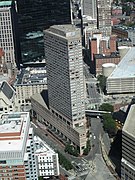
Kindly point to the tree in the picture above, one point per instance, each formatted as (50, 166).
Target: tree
(102, 82)
(109, 124)
(64, 162)
(106, 107)
(40, 178)
(87, 149)
(71, 150)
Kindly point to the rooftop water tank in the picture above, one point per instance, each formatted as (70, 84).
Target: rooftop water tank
(123, 50)
(108, 68)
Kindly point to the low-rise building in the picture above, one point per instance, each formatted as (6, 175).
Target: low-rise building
(48, 164)
(29, 81)
(100, 59)
(122, 78)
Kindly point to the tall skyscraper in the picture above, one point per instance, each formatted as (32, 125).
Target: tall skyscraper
(38, 15)
(90, 8)
(17, 158)
(35, 16)
(9, 40)
(128, 147)
(63, 53)
(104, 16)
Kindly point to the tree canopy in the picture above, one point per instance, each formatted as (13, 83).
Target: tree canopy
(106, 107)
(64, 162)
(71, 150)
(109, 124)
(102, 83)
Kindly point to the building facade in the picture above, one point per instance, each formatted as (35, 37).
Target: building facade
(3, 66)
(9, 40)
(50, 12)
(65, 72)
(128, 147)
(57, 124)
(63, 52)
(90, 8)
(35, 16)
(29, 82)
(17, 158)
(104, 16)
(122, 79)
(48, 163)
(100, 59)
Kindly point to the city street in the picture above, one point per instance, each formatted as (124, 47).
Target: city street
(100, 171)
(88, 166)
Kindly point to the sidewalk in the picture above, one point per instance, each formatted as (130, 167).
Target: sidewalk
(108, 162)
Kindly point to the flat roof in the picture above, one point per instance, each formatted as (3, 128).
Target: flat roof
(126, 67)
(32, 75)
(42, 147)
(66, 30)
(13, 123)
(5, 3)
(10, 124)
(103, 56)
(129, 126)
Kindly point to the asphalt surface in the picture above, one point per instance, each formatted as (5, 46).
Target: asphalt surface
(100, 171)
(96, 129)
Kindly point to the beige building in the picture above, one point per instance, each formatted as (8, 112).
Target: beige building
(65, 112)
(57, 124)
(29, 82)
(128, 147)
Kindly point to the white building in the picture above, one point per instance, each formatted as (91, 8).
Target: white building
(17, 158)
(7, 98)
(48, 164)
(29, 82)
(7, 10)
(128, 147)
(122, 79)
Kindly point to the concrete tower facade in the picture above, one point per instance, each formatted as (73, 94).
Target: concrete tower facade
(63, 52)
